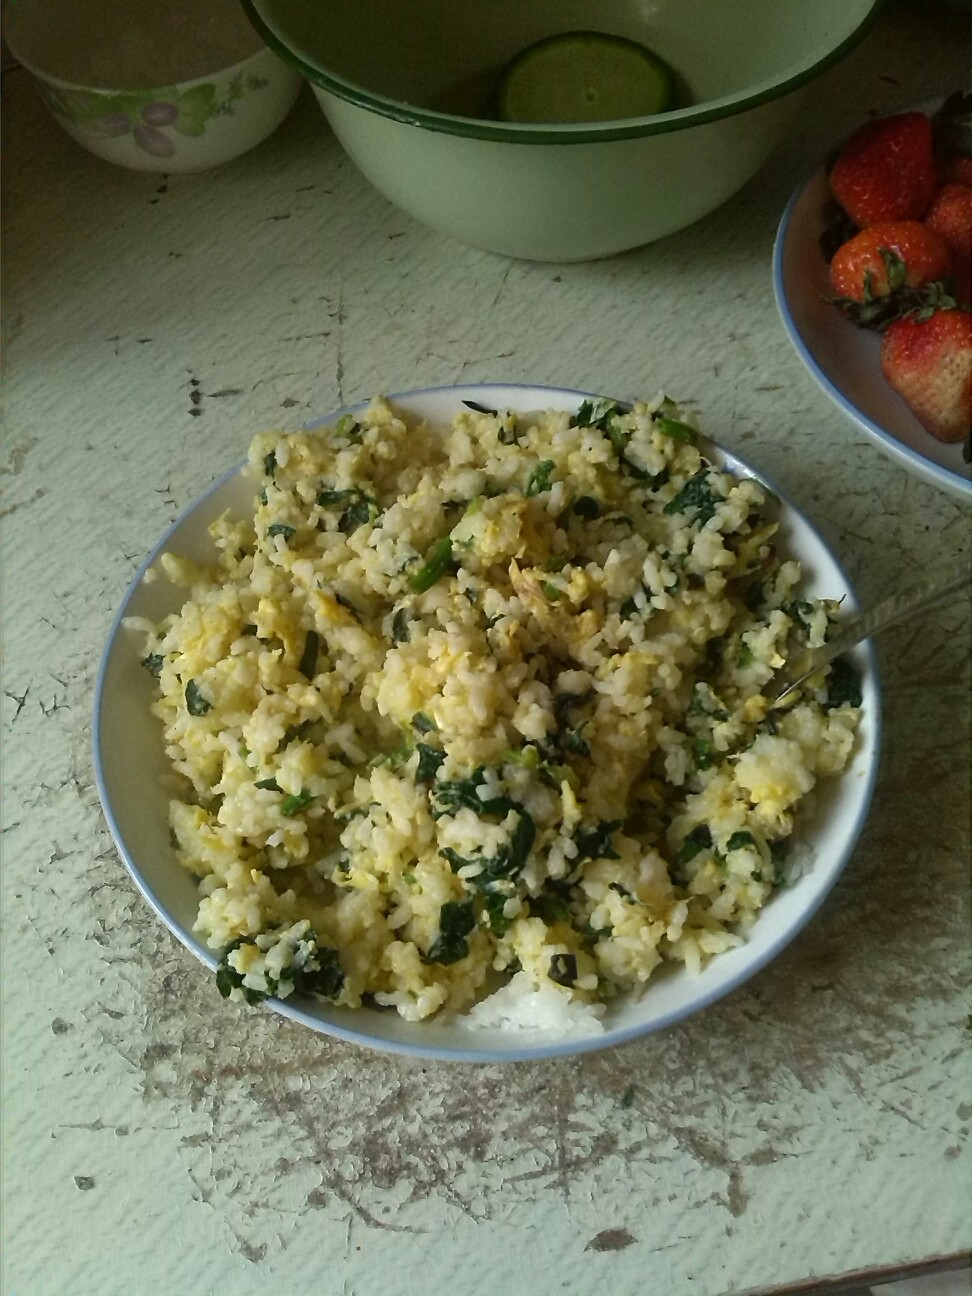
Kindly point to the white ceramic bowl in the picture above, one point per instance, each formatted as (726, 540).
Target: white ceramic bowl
(158, 85)
(403, 86)
(134, 782)
(843, 359)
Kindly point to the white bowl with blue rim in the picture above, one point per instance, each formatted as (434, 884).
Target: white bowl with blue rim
(844, 360)
(135, 784)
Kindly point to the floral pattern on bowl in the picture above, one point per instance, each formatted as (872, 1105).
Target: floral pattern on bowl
(152, 117)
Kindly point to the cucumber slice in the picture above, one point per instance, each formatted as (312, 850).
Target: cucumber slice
(584, 76)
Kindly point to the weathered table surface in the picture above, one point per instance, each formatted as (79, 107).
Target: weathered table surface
(813, 1124)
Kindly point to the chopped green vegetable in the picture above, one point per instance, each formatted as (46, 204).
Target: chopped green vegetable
(428, 765)
(361, 508)
(270, 464)
(326, 497)
(595, 843)
(392, 759)
(153, 664)
(595, 413)
(316, 970)
(521, 842)
(269, 785)
(436, 561)
(346, 426)
(617, 436)
(553, 592)
(308, 658)
(738, 840)
(493, 906)
(586, 507)
(575, 742)
(346, 603)
(325, 980)
(745, 656)
(422, 724)
(400, 631)
(457, 861)
(697, 840)
(480, 409)
(779, 850)
(567, 739)
(301, 730)
(280, 529)
(697, 705)
(800, 610)
(227, 980)
(619, 440)
(457, 794)
(696, 496)
(550, 908)
(539, 479)
(529, 757)
(703, 753)
(291, 804)
(495, 870)
(844, 684)
(355, 515)
(673, 428)
(456, 920)
(196, 704)
(563, 969)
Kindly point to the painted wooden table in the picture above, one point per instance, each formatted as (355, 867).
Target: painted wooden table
(814, 1125)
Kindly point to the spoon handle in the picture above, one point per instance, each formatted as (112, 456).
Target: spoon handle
(905, 603)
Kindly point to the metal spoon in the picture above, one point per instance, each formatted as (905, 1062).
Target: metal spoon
(905, 603)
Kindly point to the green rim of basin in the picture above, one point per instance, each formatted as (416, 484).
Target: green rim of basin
(551, 133)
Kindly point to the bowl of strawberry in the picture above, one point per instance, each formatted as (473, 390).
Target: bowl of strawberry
(872, 268)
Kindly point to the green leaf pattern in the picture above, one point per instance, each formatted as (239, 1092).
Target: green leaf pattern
(153, 117)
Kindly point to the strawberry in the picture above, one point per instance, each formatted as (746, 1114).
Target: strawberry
(957, 169)
(950, 217)
(928, 362)
(886, 170)
(875, 274)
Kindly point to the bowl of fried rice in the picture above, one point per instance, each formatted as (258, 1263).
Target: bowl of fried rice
(443, 726)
